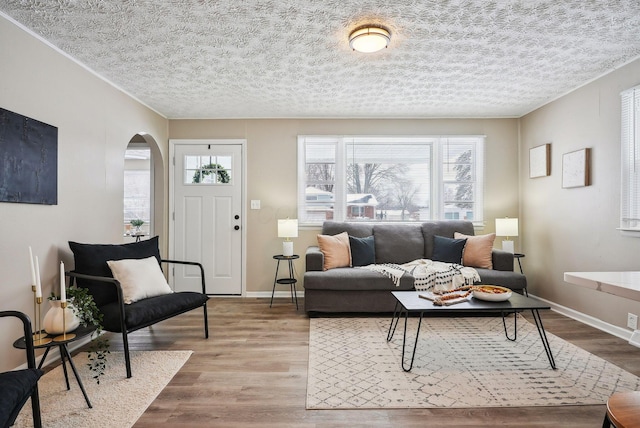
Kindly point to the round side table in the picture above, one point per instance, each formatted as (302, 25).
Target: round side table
(290, 280)
(79, 333)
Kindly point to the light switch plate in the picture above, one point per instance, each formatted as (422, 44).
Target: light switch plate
(255, 204)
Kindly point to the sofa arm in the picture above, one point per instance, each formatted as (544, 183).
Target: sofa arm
(314, 259)
(502, 260)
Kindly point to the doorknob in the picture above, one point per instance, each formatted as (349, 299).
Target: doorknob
(237, 217)
(236, 227)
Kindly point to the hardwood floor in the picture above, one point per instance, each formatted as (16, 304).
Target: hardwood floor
(252, 370)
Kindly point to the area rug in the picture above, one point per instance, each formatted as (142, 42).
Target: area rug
(459, 363)
(117, 401)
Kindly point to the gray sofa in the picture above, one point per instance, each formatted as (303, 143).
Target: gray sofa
(360, 290)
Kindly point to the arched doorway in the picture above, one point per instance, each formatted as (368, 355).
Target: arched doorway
(143, 196)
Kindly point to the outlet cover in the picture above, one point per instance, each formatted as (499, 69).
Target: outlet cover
(255, 204)
(632, 321)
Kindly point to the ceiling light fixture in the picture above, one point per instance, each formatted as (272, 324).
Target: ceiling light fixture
(369, 39)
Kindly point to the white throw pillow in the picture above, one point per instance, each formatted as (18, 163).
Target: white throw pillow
(139, 278)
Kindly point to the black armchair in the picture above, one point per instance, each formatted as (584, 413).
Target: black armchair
(18, 385)
(93, 273)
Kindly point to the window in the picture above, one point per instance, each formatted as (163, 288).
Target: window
(630, 151)
(207, 169)
(389, 178)
(137, 185)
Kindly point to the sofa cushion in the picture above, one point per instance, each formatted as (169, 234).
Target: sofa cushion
(448, 250)
(363, 251)
(139, 278)
(91, 259)
(444, 228)
(360, 229)
(509, 279)
(355, 279)
(16, 387)
(149, 311)
(398, 243)
(336, 250)
(478, 250)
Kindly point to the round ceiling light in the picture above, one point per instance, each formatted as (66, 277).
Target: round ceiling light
(369, 39)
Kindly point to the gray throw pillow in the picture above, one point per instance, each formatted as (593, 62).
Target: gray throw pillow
(448, 250)
(363, 251)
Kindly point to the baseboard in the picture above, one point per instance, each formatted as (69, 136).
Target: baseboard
(267, 294)
(620, 332)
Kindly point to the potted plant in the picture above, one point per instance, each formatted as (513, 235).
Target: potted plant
(137, 223)
(84, 307)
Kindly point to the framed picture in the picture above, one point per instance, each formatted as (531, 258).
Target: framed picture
(575, 169)
(29, 159)
(539, 161)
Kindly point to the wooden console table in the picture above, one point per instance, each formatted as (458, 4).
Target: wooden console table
(623, 284)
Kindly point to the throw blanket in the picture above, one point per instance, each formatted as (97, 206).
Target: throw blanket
(429, 274)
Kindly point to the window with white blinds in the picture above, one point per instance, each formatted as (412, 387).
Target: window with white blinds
(390, 178)
(630, 138)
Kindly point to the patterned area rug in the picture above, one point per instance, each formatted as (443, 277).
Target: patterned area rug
(460, 362)
(117, 401)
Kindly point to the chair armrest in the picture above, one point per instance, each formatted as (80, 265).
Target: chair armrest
(204, 288)
(28, 335)
(73, 275)
(502, 260)
(314, 259)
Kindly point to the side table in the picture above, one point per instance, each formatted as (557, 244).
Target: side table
(80, 333)
(519, 256)
(291, 280)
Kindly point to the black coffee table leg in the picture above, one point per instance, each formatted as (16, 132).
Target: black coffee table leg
(394, 322)
(543, 337)
(404, 340)
(515, 325)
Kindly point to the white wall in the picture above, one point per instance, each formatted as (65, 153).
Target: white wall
(575, 229)
(95, 123)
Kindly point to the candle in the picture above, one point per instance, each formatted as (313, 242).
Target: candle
(33, 270)
(63, 290)
(38, 285)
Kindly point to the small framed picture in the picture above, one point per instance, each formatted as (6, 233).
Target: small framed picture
(539, 161)
(575, 169)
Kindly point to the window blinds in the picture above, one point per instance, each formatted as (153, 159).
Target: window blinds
(630, 162)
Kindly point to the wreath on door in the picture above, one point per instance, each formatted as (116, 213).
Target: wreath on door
(223, 175)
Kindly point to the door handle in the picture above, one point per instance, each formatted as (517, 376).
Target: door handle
(236, 227)
(237, 217)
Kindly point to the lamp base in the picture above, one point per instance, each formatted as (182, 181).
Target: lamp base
(507, 246)
(287, 248)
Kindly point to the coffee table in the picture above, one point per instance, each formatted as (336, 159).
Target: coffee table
(409, 302)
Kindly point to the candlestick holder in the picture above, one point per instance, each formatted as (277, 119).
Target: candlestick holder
(39, 337)
(64, 336)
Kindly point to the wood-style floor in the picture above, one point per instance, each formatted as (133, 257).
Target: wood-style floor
(252, 372)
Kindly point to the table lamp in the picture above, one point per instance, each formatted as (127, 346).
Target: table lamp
(287, 228)
(507, 227)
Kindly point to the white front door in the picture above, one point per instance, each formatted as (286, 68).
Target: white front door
(207, 214)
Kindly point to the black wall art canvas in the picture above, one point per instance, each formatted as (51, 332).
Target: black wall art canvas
(28, 160)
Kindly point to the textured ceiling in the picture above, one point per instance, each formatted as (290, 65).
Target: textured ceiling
(291, 58)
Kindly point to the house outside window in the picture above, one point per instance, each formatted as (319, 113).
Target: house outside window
(400, 179)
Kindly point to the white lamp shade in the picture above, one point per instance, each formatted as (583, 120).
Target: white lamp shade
(288, 228)
(507, 227)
